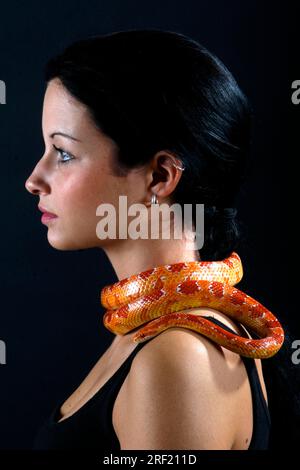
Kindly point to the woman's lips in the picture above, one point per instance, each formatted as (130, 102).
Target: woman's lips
(46, 215)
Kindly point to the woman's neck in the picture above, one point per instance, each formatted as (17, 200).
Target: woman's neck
(135, 256)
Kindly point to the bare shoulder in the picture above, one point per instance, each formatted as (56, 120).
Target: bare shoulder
(185, 350)
(183, 354)
(182, 392)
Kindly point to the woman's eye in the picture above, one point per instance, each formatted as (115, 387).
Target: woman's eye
(63, 154)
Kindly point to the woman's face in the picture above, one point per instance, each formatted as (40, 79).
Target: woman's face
(73, 189)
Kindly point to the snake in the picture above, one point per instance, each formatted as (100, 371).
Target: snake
(156, 299)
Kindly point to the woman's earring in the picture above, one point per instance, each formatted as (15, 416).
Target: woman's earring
(182, 168)
(154, 199)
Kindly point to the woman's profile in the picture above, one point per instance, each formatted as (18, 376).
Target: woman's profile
(154, 116)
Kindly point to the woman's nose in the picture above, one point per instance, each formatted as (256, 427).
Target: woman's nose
(36, 184)
(31, 186)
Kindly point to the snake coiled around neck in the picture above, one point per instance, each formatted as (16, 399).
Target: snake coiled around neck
(154, 299)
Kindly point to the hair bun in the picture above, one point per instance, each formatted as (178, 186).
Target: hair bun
(221, 232)
(225, 213)
(215, 213)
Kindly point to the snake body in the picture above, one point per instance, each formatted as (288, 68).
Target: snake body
(156, 297)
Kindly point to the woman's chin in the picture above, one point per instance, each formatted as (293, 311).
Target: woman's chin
(62, 243)
(65, 243)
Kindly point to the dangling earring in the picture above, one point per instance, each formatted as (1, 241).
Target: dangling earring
(154, 199)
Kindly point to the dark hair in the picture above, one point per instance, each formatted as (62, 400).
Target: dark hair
(152, 90)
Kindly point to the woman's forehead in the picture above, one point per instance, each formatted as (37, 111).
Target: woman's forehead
(62, 113)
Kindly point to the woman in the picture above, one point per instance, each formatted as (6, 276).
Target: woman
(154, 116)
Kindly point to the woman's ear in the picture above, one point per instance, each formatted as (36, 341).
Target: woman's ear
(165, 171)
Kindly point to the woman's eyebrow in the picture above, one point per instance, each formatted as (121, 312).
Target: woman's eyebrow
(64, 135)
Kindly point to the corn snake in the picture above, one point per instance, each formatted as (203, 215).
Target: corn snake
(156, 296)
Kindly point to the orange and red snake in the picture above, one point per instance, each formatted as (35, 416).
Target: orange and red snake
(157, 296)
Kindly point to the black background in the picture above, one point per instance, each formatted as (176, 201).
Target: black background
(51, 317)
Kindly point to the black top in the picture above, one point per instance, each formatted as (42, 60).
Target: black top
(91, 426)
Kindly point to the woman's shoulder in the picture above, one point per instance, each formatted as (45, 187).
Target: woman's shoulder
(177, 341)
(182, 377)
(186, 344)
